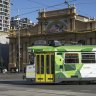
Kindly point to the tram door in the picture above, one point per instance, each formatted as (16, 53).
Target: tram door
(45, 67)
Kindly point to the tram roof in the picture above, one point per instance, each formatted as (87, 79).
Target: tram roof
(83, 48)
(41, 48)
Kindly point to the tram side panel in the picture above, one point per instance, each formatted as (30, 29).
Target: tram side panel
(30, 72)
(88, 70)
(30, 68)
(74, 66)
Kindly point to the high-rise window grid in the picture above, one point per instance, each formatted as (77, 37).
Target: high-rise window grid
(4, 15)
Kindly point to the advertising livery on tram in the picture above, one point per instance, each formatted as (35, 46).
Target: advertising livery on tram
(54, 64)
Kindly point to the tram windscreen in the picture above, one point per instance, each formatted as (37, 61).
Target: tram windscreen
(42, 64)
(31, 58)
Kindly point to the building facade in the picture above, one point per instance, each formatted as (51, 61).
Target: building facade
(4, 15)
(64, 25)
(23, 23)
(4, 29)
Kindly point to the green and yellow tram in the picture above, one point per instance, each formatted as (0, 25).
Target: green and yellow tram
(50, 64)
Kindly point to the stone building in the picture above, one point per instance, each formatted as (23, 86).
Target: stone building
(64, 25)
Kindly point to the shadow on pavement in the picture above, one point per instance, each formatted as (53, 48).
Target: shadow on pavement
(24, 82)
(86, 88)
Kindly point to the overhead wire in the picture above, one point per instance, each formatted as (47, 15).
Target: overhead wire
(87, 3)
(48, 7)
(54, 5)
(42, 4)
(28, 12)
(38, 9)
(37, 3)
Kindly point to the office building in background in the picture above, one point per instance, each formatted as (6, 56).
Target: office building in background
(4, 15)
(4, 30)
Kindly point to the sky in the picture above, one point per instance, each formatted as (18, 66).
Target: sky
(30, 8)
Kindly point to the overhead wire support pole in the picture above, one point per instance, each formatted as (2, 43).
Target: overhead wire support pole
(18, 42)
(67, 3)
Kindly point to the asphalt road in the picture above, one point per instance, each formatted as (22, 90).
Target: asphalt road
(23, 88)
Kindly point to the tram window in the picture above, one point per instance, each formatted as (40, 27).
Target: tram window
(52, 64)
(88, 57)
(71, 58)
(59, 53)
(38, 64)
(47, 64)
(42, 64)
(31, 58)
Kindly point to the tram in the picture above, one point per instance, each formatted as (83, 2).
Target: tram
(54, 64)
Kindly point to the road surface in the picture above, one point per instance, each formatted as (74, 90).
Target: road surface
(22, 88)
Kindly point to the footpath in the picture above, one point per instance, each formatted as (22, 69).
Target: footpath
(11, 76)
